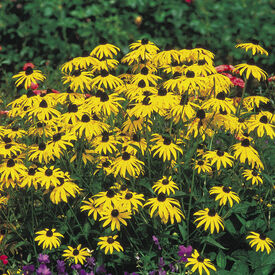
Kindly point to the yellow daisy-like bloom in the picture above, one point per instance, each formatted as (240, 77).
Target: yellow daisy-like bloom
(106, 81)
(135, 141)
(110, 243)
(218, 82)
(253, 70)
(165, 148)
(210, 218)
(114, 215)
(131, 200)
(40, 152)
(77, 63)
(48, 238)
(166, 57)
(163, 206)
(251, 102)
(42, 128)
(252, 175)
(199, 263)
(224, 194)
(244, 151)
(165, 185)
(49, 177)
(148, 78)
(12, 170)
(105, 143)
(220, 158)
(262, 122)
(144, 45)
(105, 50)
(79, 79)
(76, 254)
(135, 124)
(90, 206)
(126, 165)
(261, 241)
(107, 198)
(29, 76)
(107, 64)
(251, 46)
(203, 165)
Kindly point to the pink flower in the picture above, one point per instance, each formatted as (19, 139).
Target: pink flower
(34, 86)
(4, 258)
(28, 65)
(223, 68)
(188, 1)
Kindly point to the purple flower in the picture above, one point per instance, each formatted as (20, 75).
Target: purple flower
(156, 241)
(90, 262)
(101, 269)
(60, 266)
(28, 269)
(76, 266)
(43, 258)
(185, 252)
(43, 270)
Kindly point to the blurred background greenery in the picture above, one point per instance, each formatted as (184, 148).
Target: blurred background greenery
(51, 32)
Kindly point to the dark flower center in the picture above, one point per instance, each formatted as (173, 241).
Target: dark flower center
(30, 93)
(200, 259)
(202, 62)
(212, 212)
(136, 138)
(104, 73)
(104, 97)
(123, 187)
(110, 193)
(146, 101)
(29, 71)
(85, 118)
(161, 197)
(226, 189)
(254, 173)
(162, 92)
(106, 164)
(115, 213)
(241, 120)
(95, 117)
(72, 108)
(220, 153)
(31, 171)
(141, 84)
(49, 233)
(57, 137)
(263, 119)
(10, 163)
(6, 139)
(43, 104)
(200, 162)
(250, 62)
(110, 240)
(262, 236)
(167, 141)
(61, 180)
(8, 146)
(146, 93)
(221, 96)
(42, 146)
(126, 156)
(245, 142)
(40, 124)
(223, 112)
(144, 71)
(15, 128)
(176, 74)
(165, 182)
(190, 74)
(77, 73)
(75, 252)
(128, 196)
(105, 137)
(144, 41)
(48, 172)
(98, 93)
(201, 114)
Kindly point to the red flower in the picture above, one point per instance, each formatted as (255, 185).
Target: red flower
(223, 68)
(4, 258)
(28, 65)
(235, 80)
(34, 86)
(188, 1)
(272, 78)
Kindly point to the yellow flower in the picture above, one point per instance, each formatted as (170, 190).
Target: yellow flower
(220, 158)
(49, 238)
(105, 50)
(252, 175)
(251, 46)
(253, 70)
(110, 243)
(224, 194)
(76, 254)
(165, 185)
(261, 241)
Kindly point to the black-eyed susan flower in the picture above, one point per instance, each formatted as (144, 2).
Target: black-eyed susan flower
(219, 158)
(203, 165)
(28, 76)
(255, 48)
(261, 241)
(15, 132)
(166, 57)
(165, 148)
(135, 124)
(29, 178)
(163, 100)
(199, 263)
(135, 142)
(106, 80)
(105, 143)
(245, 152)
(145, 75)
(127, 165)
(165, 185)
(144, 47)
(49, 238)
(42, 128)
(218, 82)
(253, 175)
(143, 109)
(251, 69)
(163, 206)
(224, 194)
(105, 50)
(10, 148)
(40, 152)
(131, 200)
(251, 102)
(76, 254)
(72, 115)
(209, 218)
(11, 169)
(114, 215)
(89, 206)
(79, 80)
(49, 177)
(262, 124)
(104, 163)
(110, 244)
(107, 198)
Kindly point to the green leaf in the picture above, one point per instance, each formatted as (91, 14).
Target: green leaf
(183, 230)
(240, 268)
(221, 259)
(212, 241)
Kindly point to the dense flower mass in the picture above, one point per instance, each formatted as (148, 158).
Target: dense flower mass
(132, 164)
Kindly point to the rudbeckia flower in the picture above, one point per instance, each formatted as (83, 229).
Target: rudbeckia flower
(165, 185)
(219, 158)
(251, 46)
(49, 238)
(261, 241)
(253, 175)
(89, 206)
(251, 69)
(76, 254)
(110, 244)
(224, 194)
(105, 50)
